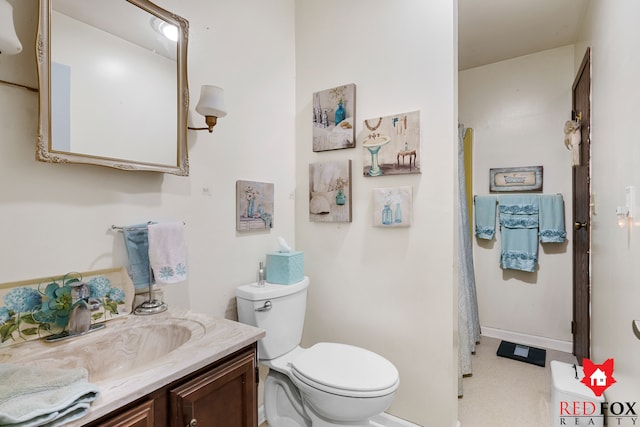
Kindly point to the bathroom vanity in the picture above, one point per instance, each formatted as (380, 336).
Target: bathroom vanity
(223, 393)
(176, 368)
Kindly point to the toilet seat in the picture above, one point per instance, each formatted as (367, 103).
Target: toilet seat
(345, 370)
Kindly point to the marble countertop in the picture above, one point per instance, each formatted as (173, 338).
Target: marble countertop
(209, 340)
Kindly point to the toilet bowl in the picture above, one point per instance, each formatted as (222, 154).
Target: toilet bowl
(344, 383)
(327, 384)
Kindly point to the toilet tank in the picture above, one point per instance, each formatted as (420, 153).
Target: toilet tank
(567, 388)
(279, 310)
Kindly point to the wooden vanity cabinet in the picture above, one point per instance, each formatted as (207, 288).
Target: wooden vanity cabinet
(140, 415)
(223, 396)
(224, 393)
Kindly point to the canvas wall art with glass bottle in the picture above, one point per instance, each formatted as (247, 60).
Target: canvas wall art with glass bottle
(333, 113)
(392, 207)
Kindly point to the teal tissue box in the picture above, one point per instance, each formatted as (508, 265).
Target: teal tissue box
(285, 268)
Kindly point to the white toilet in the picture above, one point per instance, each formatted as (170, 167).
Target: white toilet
(327, 384)
(567, 389)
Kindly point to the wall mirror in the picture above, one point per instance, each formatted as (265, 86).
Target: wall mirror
(113, 87)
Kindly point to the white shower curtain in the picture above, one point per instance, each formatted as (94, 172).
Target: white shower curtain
(468, 320)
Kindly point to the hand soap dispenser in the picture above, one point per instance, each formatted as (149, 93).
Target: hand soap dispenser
(261, 275)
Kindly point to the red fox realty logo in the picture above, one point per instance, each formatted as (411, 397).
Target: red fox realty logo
(597, 377)
(591, 413)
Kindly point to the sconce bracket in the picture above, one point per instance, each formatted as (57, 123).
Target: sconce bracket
(210, 121)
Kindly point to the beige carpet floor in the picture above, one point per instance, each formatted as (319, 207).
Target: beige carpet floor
(503, 392)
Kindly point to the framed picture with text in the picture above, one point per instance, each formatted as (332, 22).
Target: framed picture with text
(519, 179)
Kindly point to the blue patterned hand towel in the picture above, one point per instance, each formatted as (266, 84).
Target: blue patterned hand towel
(485, 216)
(136, 240)
(519, 211)
(552, 228)
(519, 249)
(519, 231)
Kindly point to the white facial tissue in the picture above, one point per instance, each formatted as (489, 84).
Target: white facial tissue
(284, 247)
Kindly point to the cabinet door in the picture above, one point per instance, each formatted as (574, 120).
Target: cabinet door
(138, 416)
(225, 396)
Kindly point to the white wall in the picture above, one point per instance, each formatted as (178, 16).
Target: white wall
(517, 109)
(389, 290)
(54, 218)
(612, 32)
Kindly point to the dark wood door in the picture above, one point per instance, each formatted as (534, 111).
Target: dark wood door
(581, 325)
(226, 396)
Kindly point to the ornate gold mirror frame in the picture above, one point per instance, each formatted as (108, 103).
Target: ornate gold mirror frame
(45, 150)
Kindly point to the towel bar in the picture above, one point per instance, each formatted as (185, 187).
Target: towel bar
(121, 228)
(498, 201)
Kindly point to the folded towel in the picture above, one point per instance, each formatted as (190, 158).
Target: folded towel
(31, 396)
(168, 252)
(552, 228)
(519, 220)
(136, 240)
(485, 217)
(519, 232)
(519, 205)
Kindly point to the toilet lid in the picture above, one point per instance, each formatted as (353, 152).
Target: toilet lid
(345, 367)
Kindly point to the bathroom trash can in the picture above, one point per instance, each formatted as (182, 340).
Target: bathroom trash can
(572, 402)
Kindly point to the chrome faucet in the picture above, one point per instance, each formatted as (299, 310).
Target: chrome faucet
(81, 308)
(80, 317)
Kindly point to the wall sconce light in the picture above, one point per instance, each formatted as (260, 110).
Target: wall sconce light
(625, 213)
(622, 212)
(9, 42)
(211, 106)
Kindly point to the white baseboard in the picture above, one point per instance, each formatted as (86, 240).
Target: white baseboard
(388, 420)
(532, 340)
(382, 420)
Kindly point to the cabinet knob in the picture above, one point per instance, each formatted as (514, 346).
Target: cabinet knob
(193, 423)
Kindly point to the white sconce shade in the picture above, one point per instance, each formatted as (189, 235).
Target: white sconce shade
(211, 101)
(622, 213)
(626, 213)
(9, 42)
(211, 106)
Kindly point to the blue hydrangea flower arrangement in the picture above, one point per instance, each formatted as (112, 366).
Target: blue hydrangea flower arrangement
(44, 309)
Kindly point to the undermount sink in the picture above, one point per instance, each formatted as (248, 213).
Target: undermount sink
(123, 347)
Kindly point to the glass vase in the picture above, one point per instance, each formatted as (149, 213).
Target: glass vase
(250, 208)
(340, 113)
(397, 218)
(387, 215)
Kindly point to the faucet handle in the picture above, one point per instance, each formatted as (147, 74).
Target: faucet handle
(79, 290)
(80, 319)
(94, 304)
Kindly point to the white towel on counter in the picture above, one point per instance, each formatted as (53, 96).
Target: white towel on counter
(31, 396)
(168, 252)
